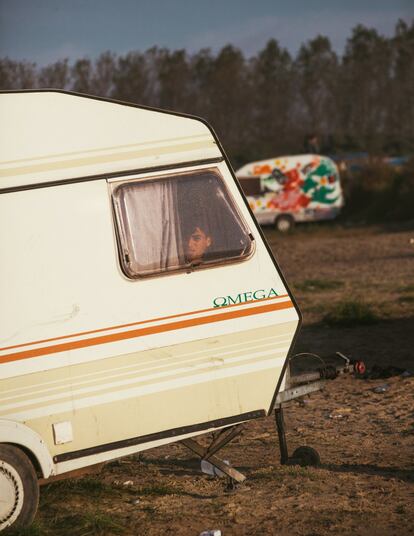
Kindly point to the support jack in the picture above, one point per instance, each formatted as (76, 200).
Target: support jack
(209, 453)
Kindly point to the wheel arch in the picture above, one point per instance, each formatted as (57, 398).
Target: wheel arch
(20, 435)
(289, 215)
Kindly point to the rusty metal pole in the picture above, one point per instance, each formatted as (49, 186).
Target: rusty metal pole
(280, 425)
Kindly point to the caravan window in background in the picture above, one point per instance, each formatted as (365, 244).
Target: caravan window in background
(178, 222)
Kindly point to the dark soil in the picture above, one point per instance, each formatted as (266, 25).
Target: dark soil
(365, 484)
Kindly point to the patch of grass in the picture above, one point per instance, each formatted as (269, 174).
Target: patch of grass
(92, 487)
(33, 530)
(400, 509)
(316, 285)
(350, 314)
(406, 299)
(158, 490)
(318, 308)
(150, 510)
(406, 288)
(286, 472)
(90, 524)
(263, 477)
(302, 472)
(175, 462)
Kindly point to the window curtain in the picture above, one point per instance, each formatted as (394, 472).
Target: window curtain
(152, 230)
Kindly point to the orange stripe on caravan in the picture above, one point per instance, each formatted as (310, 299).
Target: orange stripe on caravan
(172, 326)
(134, 324)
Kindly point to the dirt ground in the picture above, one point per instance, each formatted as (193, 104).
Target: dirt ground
(365, 483)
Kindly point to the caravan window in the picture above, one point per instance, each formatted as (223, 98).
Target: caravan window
(178, 222)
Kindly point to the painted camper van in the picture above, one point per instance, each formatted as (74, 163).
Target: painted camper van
(289, 189)
(140, 304)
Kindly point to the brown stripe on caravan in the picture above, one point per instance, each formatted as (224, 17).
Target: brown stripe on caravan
(120, 326)
(140, 332)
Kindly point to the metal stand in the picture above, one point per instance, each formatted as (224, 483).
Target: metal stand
(295, 387)
(208, 453)
(280, 425)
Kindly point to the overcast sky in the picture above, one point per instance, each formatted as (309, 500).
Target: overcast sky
(44, 31)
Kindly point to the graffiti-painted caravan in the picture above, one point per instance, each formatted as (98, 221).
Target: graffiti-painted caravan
(285, 190)
(139, 303)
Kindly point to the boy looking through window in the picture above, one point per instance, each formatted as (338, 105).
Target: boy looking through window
(198, 244)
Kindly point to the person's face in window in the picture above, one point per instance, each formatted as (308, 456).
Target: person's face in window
(197, 245)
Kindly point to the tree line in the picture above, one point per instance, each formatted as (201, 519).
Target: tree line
(265, 105)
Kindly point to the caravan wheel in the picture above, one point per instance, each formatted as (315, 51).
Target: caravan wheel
(19, 489)
(284, 223)
(305, 456)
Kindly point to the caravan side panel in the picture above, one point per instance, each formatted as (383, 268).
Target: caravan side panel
(90, 359)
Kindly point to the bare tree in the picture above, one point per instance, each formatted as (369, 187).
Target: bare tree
(273, 98)
(55, 75)
(366, 79)
(17, 74)
(130, 78)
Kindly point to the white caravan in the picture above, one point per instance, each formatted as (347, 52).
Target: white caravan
(139, 302)
(289, 189)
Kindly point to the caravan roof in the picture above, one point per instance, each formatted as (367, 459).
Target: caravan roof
(50, 136)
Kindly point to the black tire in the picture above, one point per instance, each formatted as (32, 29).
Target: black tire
(305, 456)
(19, 488)
(284, 223)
